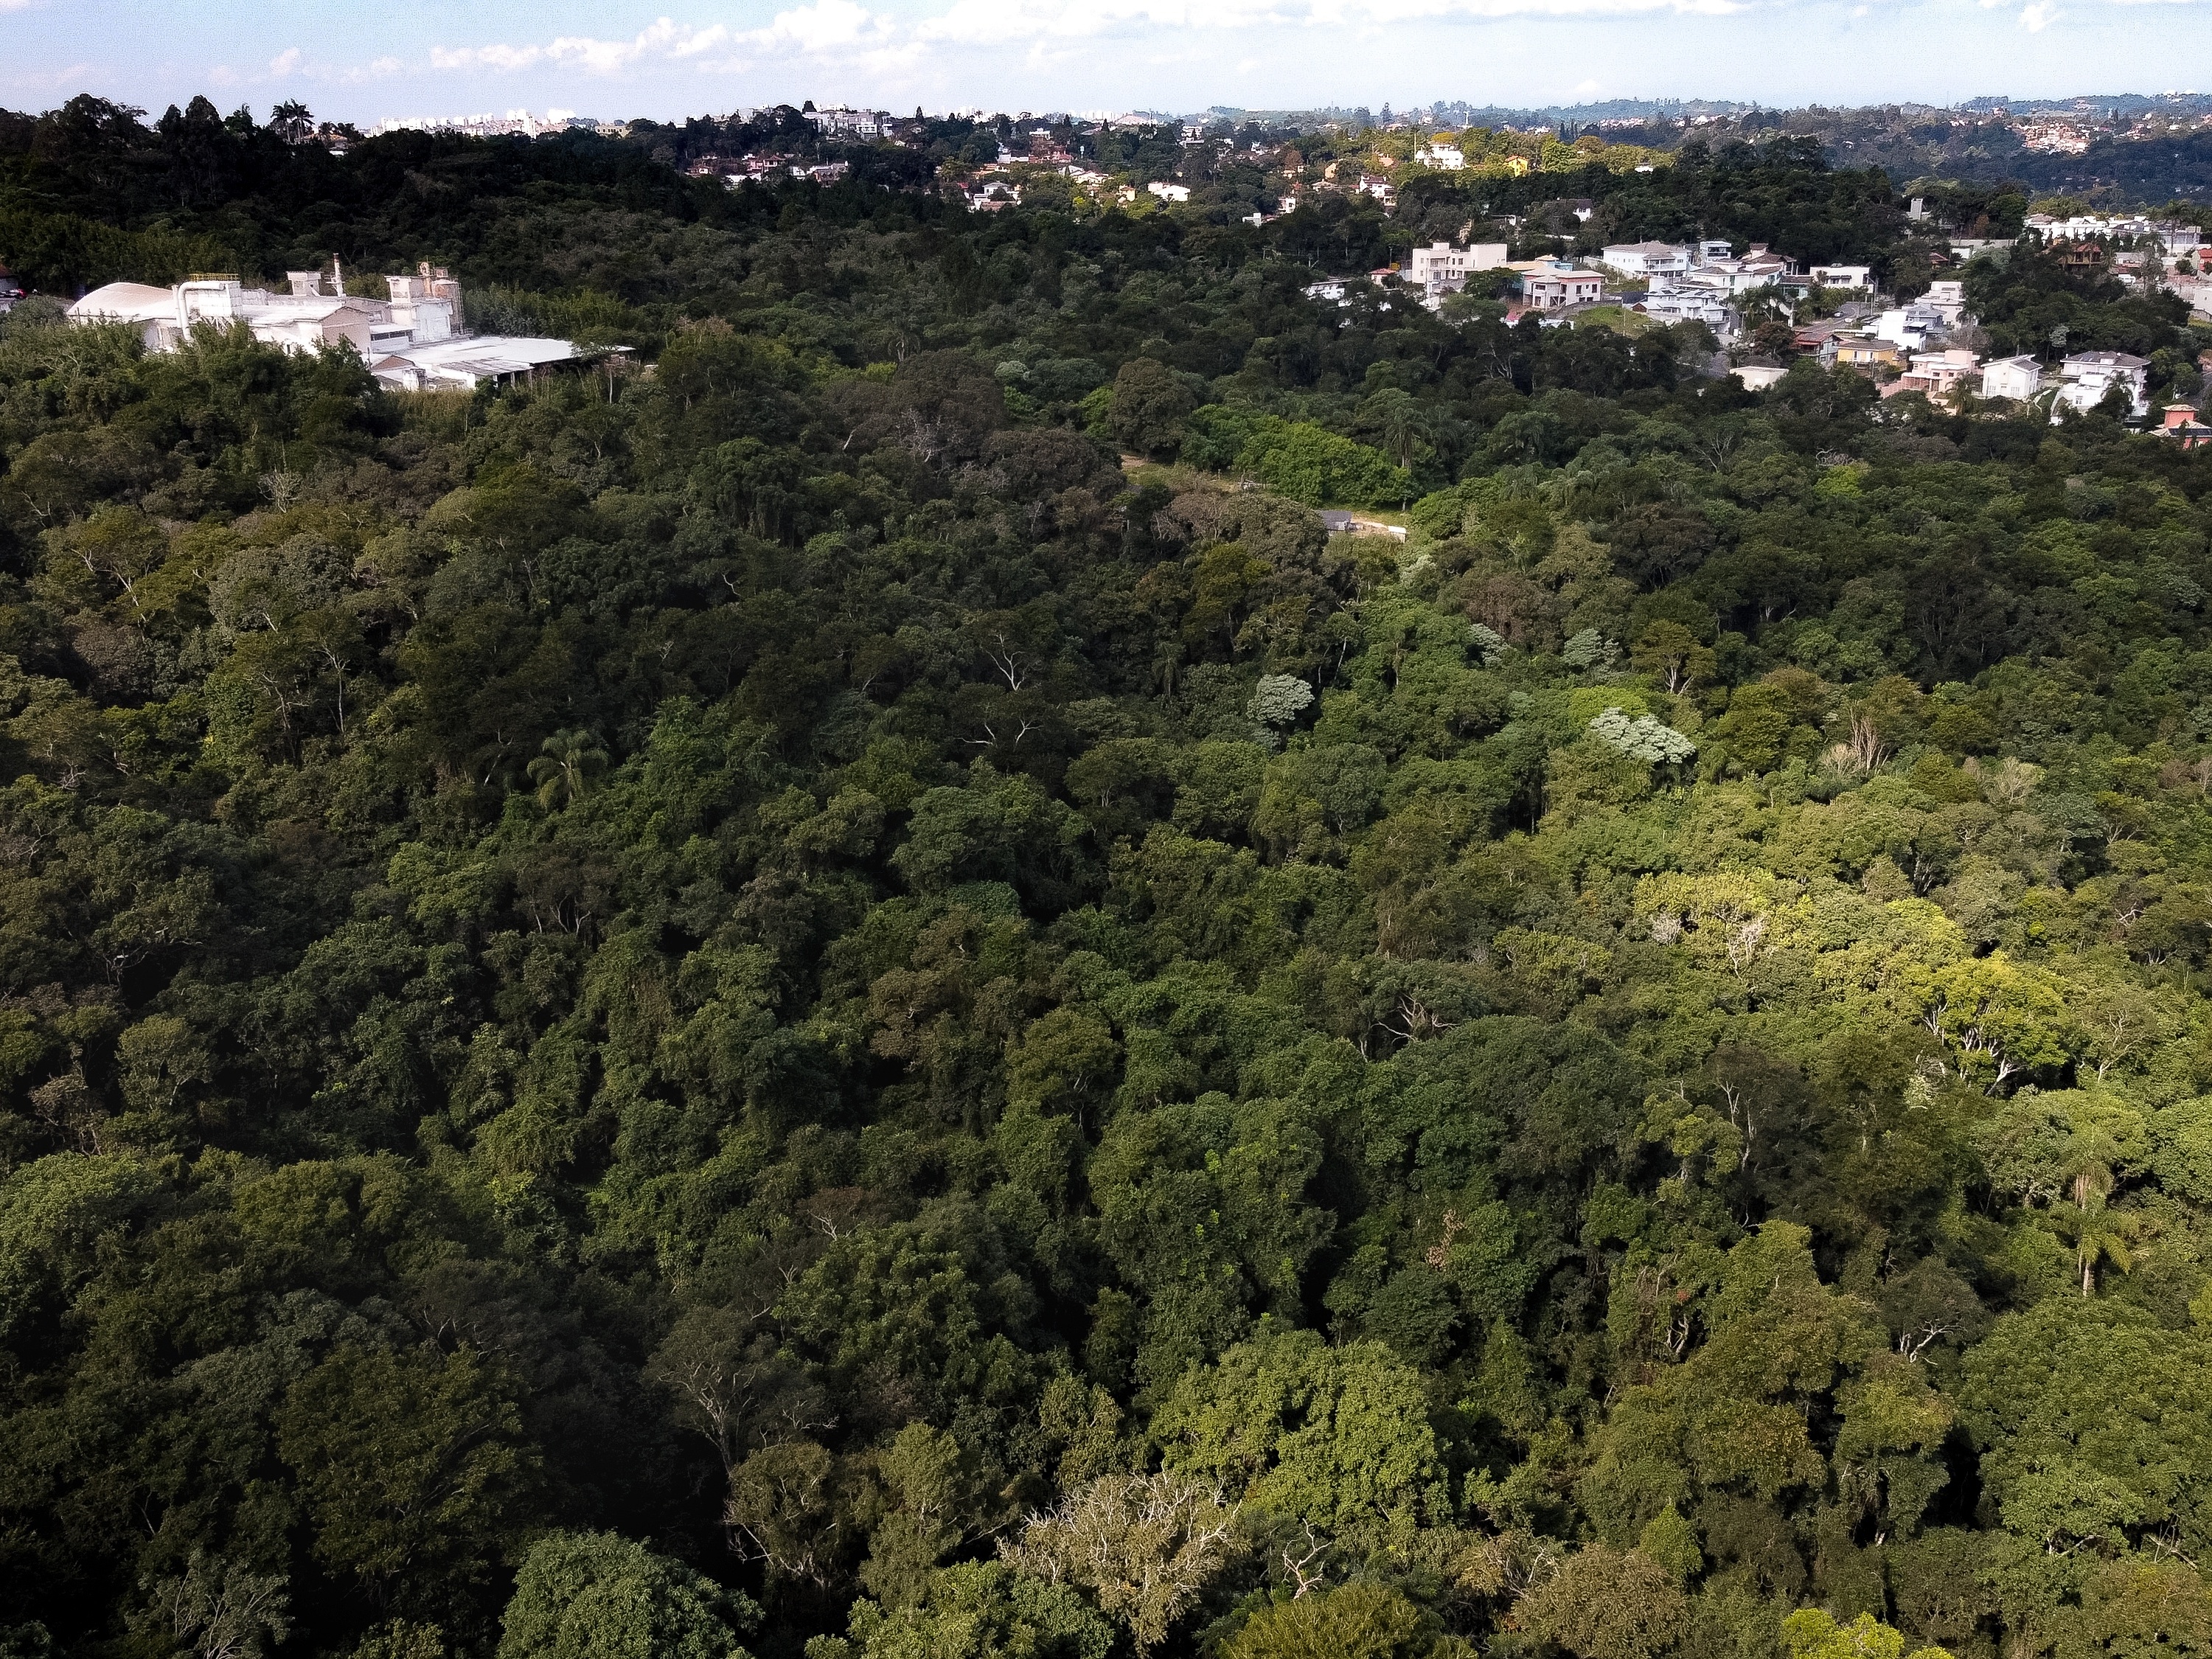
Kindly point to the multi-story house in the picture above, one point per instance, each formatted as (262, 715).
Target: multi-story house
(1442, 268)
(2017, 377)
(2088, 377)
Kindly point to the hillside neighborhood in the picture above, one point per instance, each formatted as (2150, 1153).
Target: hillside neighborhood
(1763, 305)
(1461, 217)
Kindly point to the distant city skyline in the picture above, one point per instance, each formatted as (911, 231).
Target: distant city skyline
(614, 61)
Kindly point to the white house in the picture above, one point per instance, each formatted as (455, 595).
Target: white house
(1647, 259)
(1444, 158)
(1935, 373)
(1842, 276)
(1550, 285)
(411, 341)
(843, 123)
(1756, 377)
(1735, 274)
(1440, 268)
(2085, 378)
(1909, 325)
(2017, 377)
(1947, 299)
(1692, 302)
(1168, 193)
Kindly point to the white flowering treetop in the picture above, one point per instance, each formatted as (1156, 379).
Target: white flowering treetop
(1642, 739)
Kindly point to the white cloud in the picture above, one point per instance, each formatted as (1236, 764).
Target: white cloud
(2034, 17)
(991, 22)
(286, 61)
(822, 26)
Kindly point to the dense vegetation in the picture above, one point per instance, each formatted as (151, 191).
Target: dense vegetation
(788, 998)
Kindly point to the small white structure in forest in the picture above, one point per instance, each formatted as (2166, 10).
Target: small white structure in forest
(412, 341)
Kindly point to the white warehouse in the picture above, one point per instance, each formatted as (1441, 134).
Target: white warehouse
(412, 341)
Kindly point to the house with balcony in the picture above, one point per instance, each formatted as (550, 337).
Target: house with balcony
(1937, 374)
(1440, 269)
(1553, 285)
(2087, 378)
(1688, 301)
(1649, 260)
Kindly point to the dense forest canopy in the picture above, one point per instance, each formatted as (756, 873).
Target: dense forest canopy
(850, 994)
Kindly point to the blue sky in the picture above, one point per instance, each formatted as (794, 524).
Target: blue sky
(362, 62)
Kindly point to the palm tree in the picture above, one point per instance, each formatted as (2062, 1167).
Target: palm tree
(291, 121)
(567, 762)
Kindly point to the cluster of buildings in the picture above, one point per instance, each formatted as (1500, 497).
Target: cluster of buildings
(2080, 382)
(1701, 281)
(516, 123)
(412, 341)
(737, 170)
(1550, 288)
(2175, 237)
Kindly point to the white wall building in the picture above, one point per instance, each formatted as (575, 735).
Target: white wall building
(2085, 378)
(1936, 372)
(1647, 259)
(1947, 299)
(2080, 227)
(412, 341)
(1444, 158)
(1853, 277)
(1685, 303)
(1168, 193)
(2017, 377)
(1909, 325)
(843, 123)
(1441, 269)
(1552, 287)
(1738, 274)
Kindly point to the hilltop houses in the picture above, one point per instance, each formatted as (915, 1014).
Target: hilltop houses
(412, 341)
